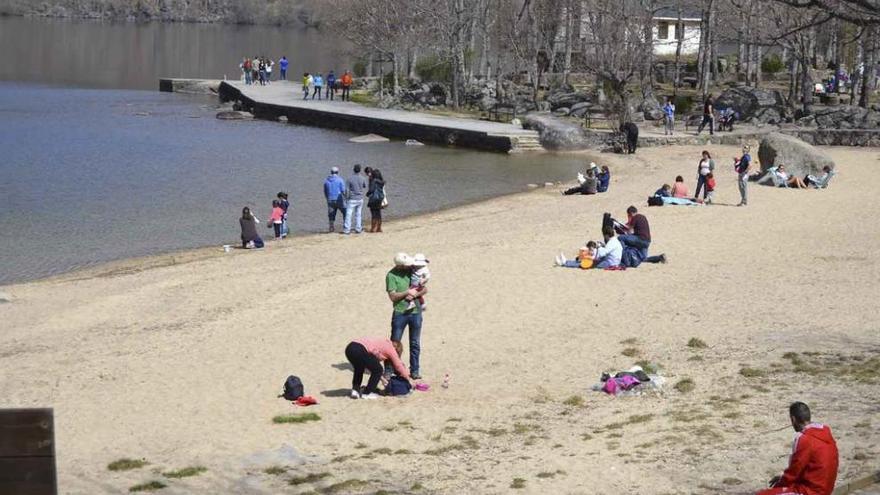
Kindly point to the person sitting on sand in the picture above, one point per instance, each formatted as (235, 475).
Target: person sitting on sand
(249, 237)
(368, 354)
(589, 186)
(584, 259)
(604, 178)
(665, 191)
(784, 179)
(679, 189)
(820, 182)
(812, 467)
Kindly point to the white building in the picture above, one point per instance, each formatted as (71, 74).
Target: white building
(667, 31)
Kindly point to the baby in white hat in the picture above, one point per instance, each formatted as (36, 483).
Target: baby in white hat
(419, 279)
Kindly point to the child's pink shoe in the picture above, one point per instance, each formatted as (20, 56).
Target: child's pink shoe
(422, 387)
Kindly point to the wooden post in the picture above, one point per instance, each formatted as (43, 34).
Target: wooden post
(27, 452)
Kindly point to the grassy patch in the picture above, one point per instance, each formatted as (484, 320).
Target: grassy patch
(732, 415)
(127, 464)
(346, 486)
(522, 428)
(732, 481)
(276, 470)
(695, 357)
(752, 372)
(630, 352)
(186, 472)
(360, 445)
(761, 389)
(550, 474)
(685, 385)
(695, 343)
(586, 436)
(629, 341)
(150, 486)
(416, 487)
(640, 418)
(383, 451)
(648, 367)
(574, 401)
(295, 418)
(518, 483)
(341, 458)
(403, 452)
(309, 478)
(454, 420)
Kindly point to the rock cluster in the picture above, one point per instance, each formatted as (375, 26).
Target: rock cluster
(842, 117)
(798, 157)
(755, 105)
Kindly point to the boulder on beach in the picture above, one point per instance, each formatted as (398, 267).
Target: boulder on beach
(234, 115)
(799, 158)
(557, 134)
(369, 138)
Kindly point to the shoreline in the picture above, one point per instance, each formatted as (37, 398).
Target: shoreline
(182, 256)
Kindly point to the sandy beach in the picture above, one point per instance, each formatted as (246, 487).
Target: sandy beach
(178, 359)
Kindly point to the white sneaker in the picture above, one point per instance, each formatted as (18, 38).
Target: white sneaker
(354, 394)
(557, 261)
(370, 396)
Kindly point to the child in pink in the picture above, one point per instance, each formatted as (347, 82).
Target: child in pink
(276, 218)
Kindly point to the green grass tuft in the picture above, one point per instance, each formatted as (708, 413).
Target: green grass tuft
(752, 372)
(695, 343)
(574, 401)
(295, 418)
(518, 483)
(186, 472)
(309, 478)
(148, 487)
(648, 367)
(275, 470)
(630, 352)
(127, 464)
(346, 486)
(685, 385)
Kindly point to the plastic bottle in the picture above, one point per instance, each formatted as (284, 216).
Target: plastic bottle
(445, 383)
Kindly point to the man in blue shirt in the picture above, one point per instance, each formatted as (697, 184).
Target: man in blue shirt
(318, 82)
(283, 63)
(669, 116)
(331, 85)
(742, 167)
(334, 192)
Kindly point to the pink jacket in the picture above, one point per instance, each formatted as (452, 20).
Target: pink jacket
(276, 216)
(383, 350)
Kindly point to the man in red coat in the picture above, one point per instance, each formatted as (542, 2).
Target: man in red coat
(812, 468)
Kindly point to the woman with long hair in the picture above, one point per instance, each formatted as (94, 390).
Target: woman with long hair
(375, 198)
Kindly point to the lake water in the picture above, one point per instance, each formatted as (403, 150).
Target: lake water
(94, 175)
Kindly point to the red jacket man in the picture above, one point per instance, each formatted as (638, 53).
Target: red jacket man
(812, 468)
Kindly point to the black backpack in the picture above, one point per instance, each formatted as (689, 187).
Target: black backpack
(293, 388)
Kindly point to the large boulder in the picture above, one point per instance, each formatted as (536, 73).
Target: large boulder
(558, 134)
(798, 157)
(566, 99)
(760, 106)
(651, 108)
(846, 117)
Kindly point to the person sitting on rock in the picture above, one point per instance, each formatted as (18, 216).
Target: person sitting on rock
(812, 467)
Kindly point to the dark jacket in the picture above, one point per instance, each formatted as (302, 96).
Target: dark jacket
(375, 194)
(248, 229)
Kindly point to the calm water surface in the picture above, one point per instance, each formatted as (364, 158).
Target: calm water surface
(92, 175)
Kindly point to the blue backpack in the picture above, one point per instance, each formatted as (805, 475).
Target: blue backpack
(293, 388)
(632, 257)
(398, 386)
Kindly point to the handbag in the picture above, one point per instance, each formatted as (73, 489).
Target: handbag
(384, 198)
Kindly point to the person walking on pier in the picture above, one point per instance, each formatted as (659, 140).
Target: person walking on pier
(282, 66)
(307, 82)
(319, 85)
(246, 70)
(331, 85)
(354, 205)
(346, 82)
(708, 116)
(334, 192)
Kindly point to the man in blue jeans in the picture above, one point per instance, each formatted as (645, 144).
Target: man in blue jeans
(354, 204)
(334, 192)
(397, 284)
(639, 235)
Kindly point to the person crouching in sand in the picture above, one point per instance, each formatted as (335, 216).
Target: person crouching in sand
(369, 354)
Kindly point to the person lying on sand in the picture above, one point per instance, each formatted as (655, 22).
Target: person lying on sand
(368, 354)
(812, 467)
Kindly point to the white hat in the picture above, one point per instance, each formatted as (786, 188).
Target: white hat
(334, 170)
(419, 260)
(402, 259)
(593, 165)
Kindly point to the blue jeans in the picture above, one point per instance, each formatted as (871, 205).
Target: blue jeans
(701, 185)
(353, 208)
(283, 74)
(333, 207)
(399, 322)
(635, 241)
(247, 77)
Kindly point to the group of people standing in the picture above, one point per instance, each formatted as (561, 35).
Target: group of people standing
(346, 196)
(258, 70)
(315, 85)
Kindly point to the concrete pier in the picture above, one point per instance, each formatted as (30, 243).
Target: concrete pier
(284, 99)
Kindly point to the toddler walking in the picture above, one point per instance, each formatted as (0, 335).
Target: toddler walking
(419, 279)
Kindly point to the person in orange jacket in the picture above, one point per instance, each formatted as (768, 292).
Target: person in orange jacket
(346, 81)
(812, 467)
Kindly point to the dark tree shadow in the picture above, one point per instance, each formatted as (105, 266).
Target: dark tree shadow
(338, 392)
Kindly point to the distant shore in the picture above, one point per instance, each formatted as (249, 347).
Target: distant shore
(297, 16)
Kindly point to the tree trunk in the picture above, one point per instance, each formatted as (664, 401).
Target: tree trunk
(396, 87)
(413, 61)
(806, 87)
(679, 27)
(869, 69)
(569, 27)
(706, 72)
(758, 57)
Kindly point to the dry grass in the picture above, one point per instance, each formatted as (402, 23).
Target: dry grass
(126, 464)
(149, 486)
(295, 418)
(309, 478)
(695, 343)
(518, 483)
(685, 385)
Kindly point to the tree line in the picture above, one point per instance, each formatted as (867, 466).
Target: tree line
(543, 42)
